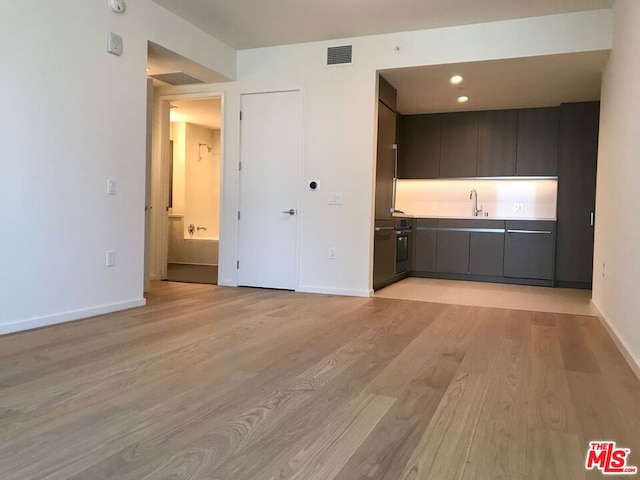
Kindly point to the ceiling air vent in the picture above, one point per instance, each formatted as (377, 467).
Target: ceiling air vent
(339, 55)
(176, 78)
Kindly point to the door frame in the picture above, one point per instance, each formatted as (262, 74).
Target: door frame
(300, 177)
(160, 176)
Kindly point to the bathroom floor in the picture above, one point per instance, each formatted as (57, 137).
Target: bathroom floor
(180, 272)
(517, 297)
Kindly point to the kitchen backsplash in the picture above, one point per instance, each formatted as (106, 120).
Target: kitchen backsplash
(501, 198)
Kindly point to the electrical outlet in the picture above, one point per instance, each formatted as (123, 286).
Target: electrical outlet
(111, 258)
(332, 253)
(518, 207)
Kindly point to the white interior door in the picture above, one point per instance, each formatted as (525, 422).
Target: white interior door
(270, 152)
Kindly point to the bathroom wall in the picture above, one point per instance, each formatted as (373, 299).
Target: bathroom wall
(450, 198)
(202, 180)
(177, 135)
(196, 195)
(196, 178)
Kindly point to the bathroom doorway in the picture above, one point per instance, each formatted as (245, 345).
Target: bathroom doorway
(193, 209)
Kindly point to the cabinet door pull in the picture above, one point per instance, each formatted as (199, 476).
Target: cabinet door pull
(395, 178)
(545, 232)
(592, 219)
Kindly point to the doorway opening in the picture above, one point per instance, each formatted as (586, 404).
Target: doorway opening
(193, 207)
(185, 161)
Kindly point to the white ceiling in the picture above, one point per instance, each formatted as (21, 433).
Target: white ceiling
(206, 113)
(513, 83)
(258, 23)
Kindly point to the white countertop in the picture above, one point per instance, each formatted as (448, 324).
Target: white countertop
(471, 217)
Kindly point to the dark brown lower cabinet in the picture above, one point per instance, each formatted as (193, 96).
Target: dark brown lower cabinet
(516, 251)
(486, 249)
(425, 240)
(473, 247)
(529, 249)
(384, 255)
(452, 250)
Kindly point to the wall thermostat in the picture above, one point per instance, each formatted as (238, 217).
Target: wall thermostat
(117, 5)
(314, 185)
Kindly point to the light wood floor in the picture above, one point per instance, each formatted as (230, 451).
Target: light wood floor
(218, 383)
(486, 294)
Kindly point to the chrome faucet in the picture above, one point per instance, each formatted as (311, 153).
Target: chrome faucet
(474, 196)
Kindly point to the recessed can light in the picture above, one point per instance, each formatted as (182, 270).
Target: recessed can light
(463, 99)
(456, 79)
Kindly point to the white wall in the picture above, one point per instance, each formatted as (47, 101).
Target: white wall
(617, 230)
(340, 124)
(77, 117)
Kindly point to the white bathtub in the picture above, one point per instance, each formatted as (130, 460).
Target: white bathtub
(183, 248)
(199, 250)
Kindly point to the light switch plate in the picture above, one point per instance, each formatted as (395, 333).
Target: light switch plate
(111, 258)
(518, 207)
(114, 44)
(334, 199)
(111, 186)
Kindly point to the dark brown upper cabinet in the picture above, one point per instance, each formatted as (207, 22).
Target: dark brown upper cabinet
(538, 141)
(497, 143)
(459, 144)
(419, 146)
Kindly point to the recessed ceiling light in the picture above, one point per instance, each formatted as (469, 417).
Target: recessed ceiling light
(456, 79)
(463, 99)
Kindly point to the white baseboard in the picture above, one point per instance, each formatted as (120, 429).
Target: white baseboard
(30, 323)
(624, 349)
(348, 292)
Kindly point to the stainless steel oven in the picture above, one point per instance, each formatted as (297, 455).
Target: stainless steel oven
(403, 235)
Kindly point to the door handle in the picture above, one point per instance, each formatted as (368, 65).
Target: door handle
(291, 211)
(592, 219)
